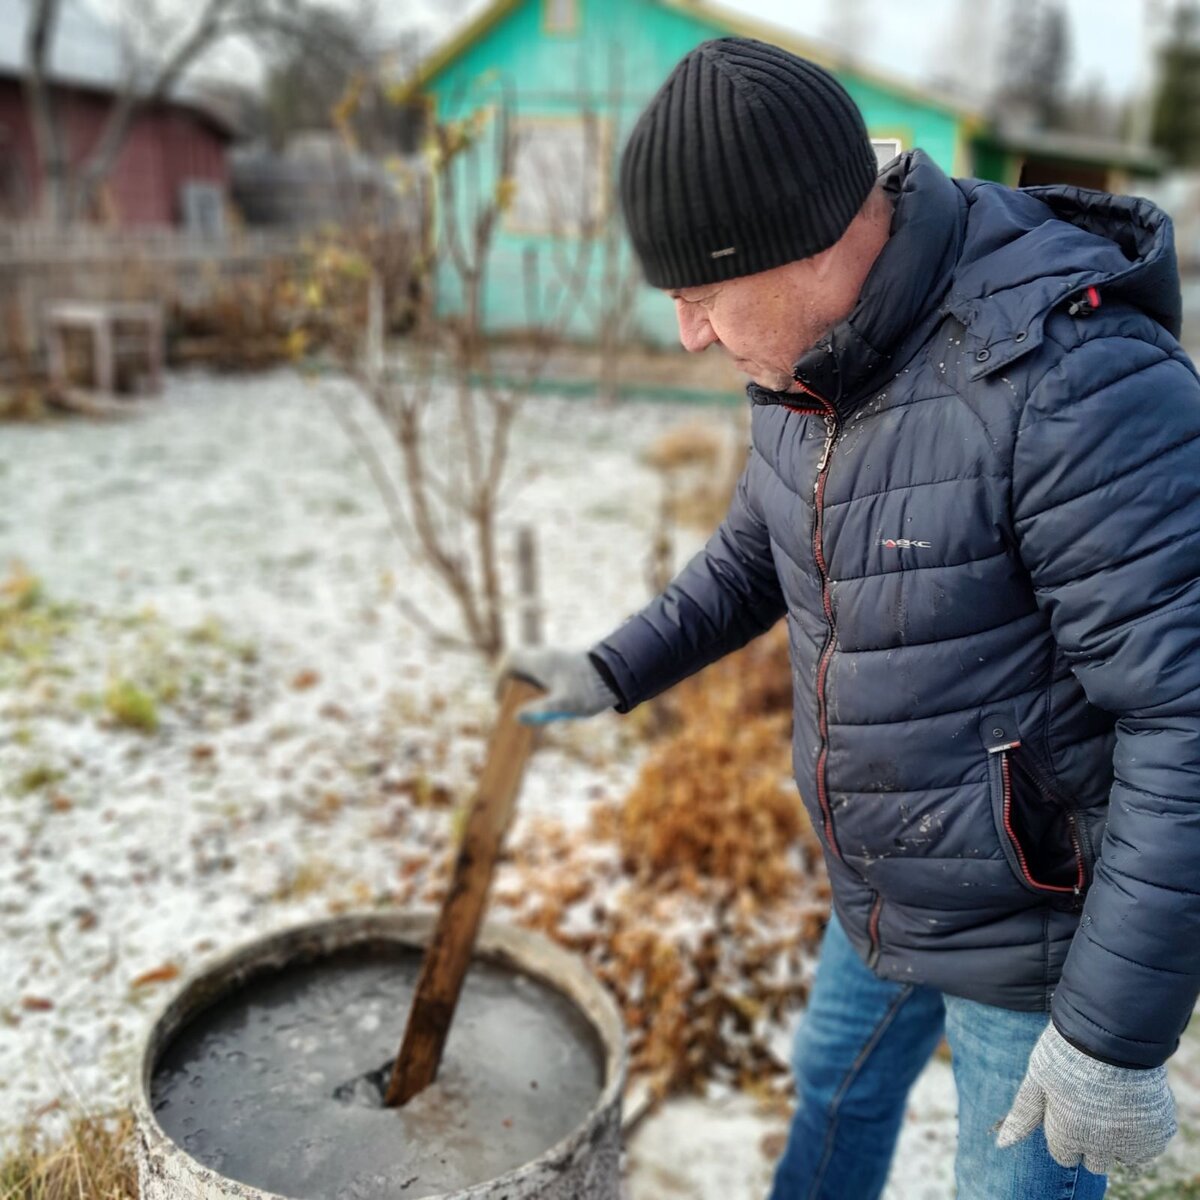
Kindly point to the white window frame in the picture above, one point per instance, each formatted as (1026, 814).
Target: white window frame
(886, 149)
(203, 208)
(577, 206)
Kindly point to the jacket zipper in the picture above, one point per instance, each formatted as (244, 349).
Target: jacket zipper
(873, 930)
(1035, 776)
(829, 415)
(1032, 771)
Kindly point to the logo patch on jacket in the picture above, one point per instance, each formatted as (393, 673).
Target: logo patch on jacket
(904, 544)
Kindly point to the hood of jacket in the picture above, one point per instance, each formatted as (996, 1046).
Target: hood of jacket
(998, 260)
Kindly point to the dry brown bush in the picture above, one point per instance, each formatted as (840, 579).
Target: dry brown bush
(23, 390)
(716, 798)
(695, 443)
(23, 402)
(700, 898)
(242, 324)
(699, 463)
(313, 300)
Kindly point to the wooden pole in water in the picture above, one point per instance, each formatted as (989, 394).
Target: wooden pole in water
(449, 953)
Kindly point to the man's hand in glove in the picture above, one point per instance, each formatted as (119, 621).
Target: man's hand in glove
(1094, 1113)
(573, 686)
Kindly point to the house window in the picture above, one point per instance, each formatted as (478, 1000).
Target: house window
(559, 175)
(203, 206)
(560, 16)
(885, 150)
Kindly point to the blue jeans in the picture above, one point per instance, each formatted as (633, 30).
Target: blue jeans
(860, 1046)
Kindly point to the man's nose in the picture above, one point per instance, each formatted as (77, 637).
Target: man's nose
(695, 332)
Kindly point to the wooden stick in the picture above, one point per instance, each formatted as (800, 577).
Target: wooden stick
(449, 953)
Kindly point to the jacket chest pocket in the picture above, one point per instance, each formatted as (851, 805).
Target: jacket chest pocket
(1038, 827)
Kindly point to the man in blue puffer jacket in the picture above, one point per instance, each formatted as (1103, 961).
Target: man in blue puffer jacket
(973, 492)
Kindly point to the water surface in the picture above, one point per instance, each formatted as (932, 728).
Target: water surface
(270, 1086)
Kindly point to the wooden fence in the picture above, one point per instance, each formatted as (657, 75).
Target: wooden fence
(40, 264)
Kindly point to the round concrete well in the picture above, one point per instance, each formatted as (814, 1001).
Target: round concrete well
(580, 1164)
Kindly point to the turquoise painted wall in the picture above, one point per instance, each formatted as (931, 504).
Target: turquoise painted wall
(626, 48)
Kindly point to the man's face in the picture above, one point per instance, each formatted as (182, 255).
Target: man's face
(767, 321)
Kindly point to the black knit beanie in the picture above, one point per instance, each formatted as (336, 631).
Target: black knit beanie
(747, 158)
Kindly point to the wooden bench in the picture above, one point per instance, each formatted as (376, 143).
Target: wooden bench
(119, 331)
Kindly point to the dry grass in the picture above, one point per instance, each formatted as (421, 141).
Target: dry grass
(93, 1162)
(23, 401)
(31, 627)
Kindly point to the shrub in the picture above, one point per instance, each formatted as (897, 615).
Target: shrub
(130, 706)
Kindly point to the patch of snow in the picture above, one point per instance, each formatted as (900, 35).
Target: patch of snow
(236, 514)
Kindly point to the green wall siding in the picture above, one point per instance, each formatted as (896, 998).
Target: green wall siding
(993, 163)
(889, 115)
(629, 46)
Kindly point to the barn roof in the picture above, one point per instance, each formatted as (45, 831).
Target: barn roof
(86, 52)
(86, 49)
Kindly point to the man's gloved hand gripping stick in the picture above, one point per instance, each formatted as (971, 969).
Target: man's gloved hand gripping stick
(573, 686)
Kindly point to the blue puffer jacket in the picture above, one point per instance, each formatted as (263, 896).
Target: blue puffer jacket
(982, 524)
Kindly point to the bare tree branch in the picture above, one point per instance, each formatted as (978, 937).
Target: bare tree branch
(395, 509)
(71, 189)
(43, 22)
(134, 98)
(455, 463)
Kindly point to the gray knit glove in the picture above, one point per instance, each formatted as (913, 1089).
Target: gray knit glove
(1093, 1112)
(572, 684)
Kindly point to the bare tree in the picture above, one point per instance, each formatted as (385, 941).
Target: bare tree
(1034, 62)
(1174, 122)
(611, 305)
(70, 188)
(847, 23)
(452, 403)
(43, 24)
(961, 56)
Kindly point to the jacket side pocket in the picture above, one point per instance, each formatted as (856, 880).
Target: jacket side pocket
(1037, 826)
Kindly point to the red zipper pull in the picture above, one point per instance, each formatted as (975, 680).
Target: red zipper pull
(1086, 304)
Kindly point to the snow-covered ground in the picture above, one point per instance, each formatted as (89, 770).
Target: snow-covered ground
(226, 550)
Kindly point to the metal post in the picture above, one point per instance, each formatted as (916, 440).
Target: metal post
(375, 329)
(528, 601)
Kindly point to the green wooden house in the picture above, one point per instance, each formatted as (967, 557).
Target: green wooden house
(575, 74)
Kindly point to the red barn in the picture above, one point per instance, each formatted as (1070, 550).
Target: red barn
(172, 169)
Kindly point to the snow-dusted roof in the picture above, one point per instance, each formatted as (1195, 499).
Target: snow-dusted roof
(86, 49)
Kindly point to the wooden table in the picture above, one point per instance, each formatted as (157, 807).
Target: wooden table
(118, 331)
